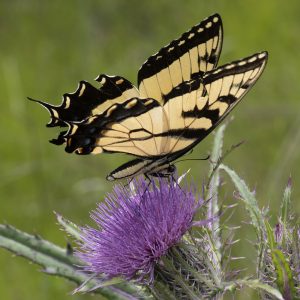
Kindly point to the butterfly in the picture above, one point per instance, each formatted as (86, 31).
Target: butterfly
(181, 97)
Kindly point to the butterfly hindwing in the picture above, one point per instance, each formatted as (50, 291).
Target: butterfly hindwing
(116, 89)
(194, 53)
(88, 100)
(115, 130)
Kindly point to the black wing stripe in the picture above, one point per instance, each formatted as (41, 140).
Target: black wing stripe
(146, 141)
(184, 88)
(130, 168)
(194, 53)
(217, 105)
(85, 134)
(236, 67)
(188, 96)
(88, 100)
(199, 34)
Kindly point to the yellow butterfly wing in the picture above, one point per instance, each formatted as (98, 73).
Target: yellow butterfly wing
(194, 53)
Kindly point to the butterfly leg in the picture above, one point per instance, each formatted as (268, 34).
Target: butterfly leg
(149, 182)
(128, 183)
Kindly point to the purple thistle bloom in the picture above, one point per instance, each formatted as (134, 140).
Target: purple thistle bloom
(136, 229)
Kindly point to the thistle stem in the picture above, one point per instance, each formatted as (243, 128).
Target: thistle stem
(186, 289)
(56, 261)
(161, 291)
(192, 271)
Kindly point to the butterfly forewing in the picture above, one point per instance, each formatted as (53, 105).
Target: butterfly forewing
(224, 87)
(194, 53)
(187, 96)
(227, 84)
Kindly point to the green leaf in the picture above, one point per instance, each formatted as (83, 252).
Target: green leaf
(256, 216)
(216, 152)
(69, 227)
(256, 284)
(249, 200)
(212, 192)
(286, 202)
(86, 287)
(215, 157)
(28, 245)
(270, 235)
(54, 259)
(284, 278)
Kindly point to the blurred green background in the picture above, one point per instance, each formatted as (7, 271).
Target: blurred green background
(48, 46)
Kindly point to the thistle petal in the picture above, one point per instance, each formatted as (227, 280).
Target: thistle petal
(136, 227)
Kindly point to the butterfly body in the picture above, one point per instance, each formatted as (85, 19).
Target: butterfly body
(181, 97)
(155, 167)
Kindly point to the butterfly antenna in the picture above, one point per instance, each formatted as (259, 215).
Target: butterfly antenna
(220, 160)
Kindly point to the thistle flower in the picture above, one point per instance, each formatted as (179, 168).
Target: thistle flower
(136, 229)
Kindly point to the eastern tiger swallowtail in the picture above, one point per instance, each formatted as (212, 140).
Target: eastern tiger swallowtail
(181, 97)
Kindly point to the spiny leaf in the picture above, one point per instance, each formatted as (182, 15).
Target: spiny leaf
(257, 218)
(69, 227)
(248, 198)
(86, 287)
(212, 193)
(214, 178)
(284, 274)
(54, 259)
(270, 235)
(216, 152)
(255, 284)
(30, 244)
(286, 202)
